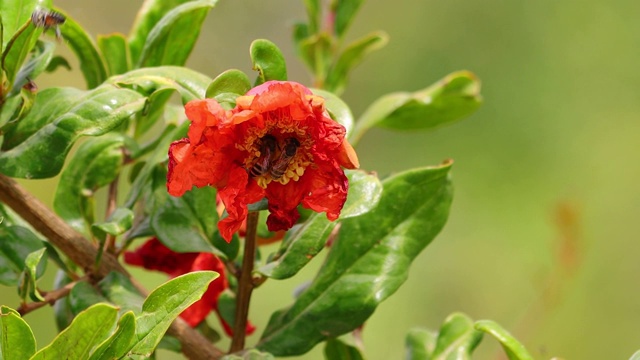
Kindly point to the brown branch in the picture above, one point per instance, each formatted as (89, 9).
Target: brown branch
(245, 284)
(50, 298)
(83, 253)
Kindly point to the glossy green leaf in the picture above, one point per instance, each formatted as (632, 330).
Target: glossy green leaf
(119, 342)
(119, 289)
(456, 339)
(188, 83)
(17, 13)
(34, 265)
(338, 109)
(231, 81)
(153, 111)
(452, 98)
(268, 61)
(344, 12)
(18, 49)
(120, 221)
(16, 244)
(365, 190)
(512, 347)
(115, 50)
(82, 296)
(59, 117)
(10, 111)
(148, 16)
(187, 223)
(38, 63)
(351, 57)
(338, 349)
(91, 63)
(419, 344)
(171, 40)
(96, 164)
(16, 338)
(90, 328)
(367, 263)
(163, 305)
(252, 354)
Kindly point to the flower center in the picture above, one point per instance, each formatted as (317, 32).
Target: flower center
(278, 152)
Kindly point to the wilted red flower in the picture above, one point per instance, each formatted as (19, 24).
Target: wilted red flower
(278, 142)
(153, 255)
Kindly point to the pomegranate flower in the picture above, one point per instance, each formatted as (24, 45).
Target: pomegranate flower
(278, 142)
(153, 255)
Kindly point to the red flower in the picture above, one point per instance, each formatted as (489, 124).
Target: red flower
(153, 255)
(278, 142)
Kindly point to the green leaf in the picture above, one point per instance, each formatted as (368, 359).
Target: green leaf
(59, 117)
(456, 339)
(87, 330)
(115, 50)
(17, 51)
(365, 190)
(42, 55)
(313, 14)
(16, 13)
(344, 12)
(16, 338)
(171, 40)
(148, 16)
(338, 109)
(153, 111)
(120, 221)
(117, 345)
(512, 347)
(337, 349)
(91, 63)
(231, 81)
(82, 296)
(452, 98)
(62, 308)
(96, 164)
(56, 62)
(635, 356)
(34, 266)
(252, 354)
(351, 57)
(317, 52)
(367, 263)
(163, 305)
(419, 344)
(118, 288)
(267, 59)
(187, 223)
(189, 84)
(16, 244)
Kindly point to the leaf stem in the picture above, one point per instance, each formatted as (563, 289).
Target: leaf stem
(245, 284)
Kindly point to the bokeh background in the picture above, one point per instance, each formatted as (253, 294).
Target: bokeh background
(543, 233)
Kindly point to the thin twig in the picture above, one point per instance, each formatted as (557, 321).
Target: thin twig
(245, 284)
(50, 298)
(112, 204)
(82, 252)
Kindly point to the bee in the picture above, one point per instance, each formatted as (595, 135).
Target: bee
(291, 146)
(47, 20)
(268, 145)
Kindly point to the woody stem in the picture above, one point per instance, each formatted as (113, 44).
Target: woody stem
(245, 284)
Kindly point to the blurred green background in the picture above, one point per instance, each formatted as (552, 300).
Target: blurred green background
(543, 234)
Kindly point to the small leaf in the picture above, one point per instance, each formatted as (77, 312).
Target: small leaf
(457, 338)
(15, 14)
(163, 305)
(344, 12)
(231, 81)
(252, 354)
(313, 14)
(512, 347)
(419, 344)
(91, 63)
(267, 59)
(367, 263)
(118, 288)
(337, 349)
(17, 243)
(452, 98)
(62, 308)
(114, 49)
(188, 83)
(171, 40)
(350, 58)
(56, 62)
(82, 296)
(117, 345)
(16, 338)
(41, 141)
(17, 51)
(337, 108)
(38, 63)
(120, 221)
(87, 330)
(34, 266)
(96, 163)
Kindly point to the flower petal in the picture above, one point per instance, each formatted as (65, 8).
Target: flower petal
(236, 194)
(327, 190)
